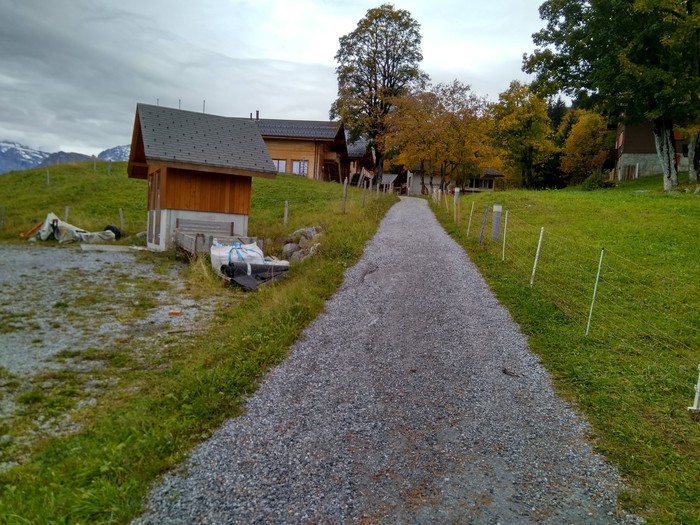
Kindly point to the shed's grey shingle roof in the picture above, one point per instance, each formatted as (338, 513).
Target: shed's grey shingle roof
(176, 135)
(304, 129)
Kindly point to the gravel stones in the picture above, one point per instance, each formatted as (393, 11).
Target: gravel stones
(412, 399)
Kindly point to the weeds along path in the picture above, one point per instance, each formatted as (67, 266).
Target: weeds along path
(412, 399)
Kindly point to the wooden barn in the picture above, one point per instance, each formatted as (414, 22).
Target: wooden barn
(636, 151)
(199, 169)
(309, 148)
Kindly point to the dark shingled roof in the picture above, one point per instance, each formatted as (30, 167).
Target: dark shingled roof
(302, 129)
(174, 135)
(492, 172)
(357, 150)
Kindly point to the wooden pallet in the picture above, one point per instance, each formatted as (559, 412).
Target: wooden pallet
(197, 236)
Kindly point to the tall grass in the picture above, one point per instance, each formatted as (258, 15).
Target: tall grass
(633, 375)
(165, 399)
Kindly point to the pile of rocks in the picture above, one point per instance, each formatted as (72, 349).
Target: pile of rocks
(300, 244)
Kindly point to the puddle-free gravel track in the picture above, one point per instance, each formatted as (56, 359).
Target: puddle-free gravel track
(413, 398)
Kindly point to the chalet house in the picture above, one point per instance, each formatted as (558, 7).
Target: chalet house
(361, 158)
(490, 180)
(308, 148)
(636, 151)
(199, 169)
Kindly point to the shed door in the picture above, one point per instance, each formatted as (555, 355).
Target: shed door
(154, 207)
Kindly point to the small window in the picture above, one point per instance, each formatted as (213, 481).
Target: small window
(300, 167)
(281, 165)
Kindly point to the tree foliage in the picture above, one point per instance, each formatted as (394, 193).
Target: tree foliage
(446, 131)
(523, 130)
(634, 59)
(377, 62)
(584, 149)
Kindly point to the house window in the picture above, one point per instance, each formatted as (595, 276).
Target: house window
(281, 165)
(300, 167)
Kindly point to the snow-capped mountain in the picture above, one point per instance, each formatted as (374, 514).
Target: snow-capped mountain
(117, 153)
(14, 156)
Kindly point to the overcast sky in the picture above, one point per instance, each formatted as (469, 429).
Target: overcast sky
(72, 71)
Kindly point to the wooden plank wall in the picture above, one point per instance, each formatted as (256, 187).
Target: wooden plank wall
(289, 150)
(202, 191)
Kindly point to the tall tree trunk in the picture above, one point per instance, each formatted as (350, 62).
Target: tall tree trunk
(693, 158)
(378, 164)
(666, 150)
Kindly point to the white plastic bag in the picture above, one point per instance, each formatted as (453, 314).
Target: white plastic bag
(223, 254)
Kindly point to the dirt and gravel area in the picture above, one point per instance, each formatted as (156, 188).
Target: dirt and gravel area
(413, 398)
(59, 300)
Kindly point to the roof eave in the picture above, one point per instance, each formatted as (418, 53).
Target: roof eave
(139, 170)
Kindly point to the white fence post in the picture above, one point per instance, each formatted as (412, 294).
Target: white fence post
(696, 403)
(537, 257)
(470, 219)
(286, 212)
(505, 232)
(595, 290)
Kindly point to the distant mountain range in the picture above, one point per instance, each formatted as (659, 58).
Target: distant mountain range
(14, 156)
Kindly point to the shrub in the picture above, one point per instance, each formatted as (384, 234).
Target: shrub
(597, 180)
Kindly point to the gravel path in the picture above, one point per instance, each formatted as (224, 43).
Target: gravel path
(34, 279)
(412, 399)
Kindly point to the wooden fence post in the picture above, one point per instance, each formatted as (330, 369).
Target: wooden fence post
(345, 192)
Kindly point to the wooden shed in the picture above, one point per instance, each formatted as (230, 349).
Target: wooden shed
(199, 169)
(310, 148)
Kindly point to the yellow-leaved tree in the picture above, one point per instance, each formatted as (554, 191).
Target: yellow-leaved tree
(584, 149)
(444, 132)
(523, 131)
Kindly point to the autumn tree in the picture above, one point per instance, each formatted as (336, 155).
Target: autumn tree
(413, 134)
(631, 59)
(377, 62)
(523, 131)
(584, 148)
(446, 130)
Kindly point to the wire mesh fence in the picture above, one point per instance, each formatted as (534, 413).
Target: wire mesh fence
(638, 305)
